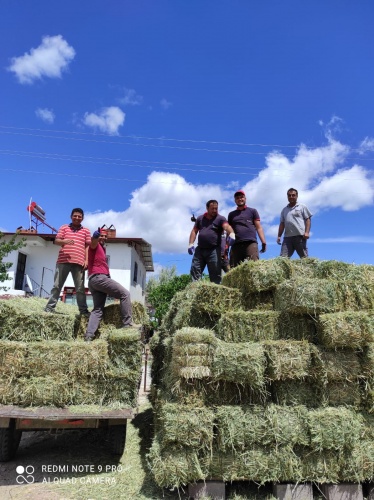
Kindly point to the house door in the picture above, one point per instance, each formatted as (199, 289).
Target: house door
(21, 266)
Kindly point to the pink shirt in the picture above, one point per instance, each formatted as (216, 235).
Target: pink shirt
(73, 254)
(97, 261)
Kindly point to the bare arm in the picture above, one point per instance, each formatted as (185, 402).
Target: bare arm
(260, 231)
(308, 224)
(226, 226)
(280, 231)
(193, 235)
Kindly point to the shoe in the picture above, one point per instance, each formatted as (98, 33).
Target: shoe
(85, 314)
(131, 326)
(47, 310)
(88, 339)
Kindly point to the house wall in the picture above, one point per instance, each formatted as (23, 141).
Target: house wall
(41, 262)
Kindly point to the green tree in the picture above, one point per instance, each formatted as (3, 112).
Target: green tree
(5, 248)
(161, 290)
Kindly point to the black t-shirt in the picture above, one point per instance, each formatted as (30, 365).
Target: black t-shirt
(243, 224)
(210, 231)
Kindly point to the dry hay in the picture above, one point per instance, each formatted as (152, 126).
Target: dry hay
(335, 365)
(125, 348)
(297, 327)
(55, 358)
(297, 392)
(335, 428)
(339, 271)
(172, 468)
(353, 329)
(287, 359)
(24, 319)
(359, 464)
(368, 363)
(112, 314)
(264, 301)
(341, 393)
(183, 426)
(319, 466)
(258, 276)
(240, 428)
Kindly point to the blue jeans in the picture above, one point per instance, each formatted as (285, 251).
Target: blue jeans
(61, 274)
(210, 257)
(292, 243)
(100, 286)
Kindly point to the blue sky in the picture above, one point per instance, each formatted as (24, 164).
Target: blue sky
(139, 112)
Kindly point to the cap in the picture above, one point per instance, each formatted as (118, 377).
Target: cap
(103, 232)
(239, 192)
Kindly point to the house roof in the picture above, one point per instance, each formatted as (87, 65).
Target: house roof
(142, 247)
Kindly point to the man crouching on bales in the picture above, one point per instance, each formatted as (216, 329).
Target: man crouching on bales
(210, 227)
(101, 285)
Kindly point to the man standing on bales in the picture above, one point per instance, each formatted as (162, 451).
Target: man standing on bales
(295, 222)
(246, 223)
(101, 285)
(209, 227)
(74, 240)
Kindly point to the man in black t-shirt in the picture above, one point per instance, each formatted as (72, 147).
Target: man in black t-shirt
(246, 223)
(209, 227)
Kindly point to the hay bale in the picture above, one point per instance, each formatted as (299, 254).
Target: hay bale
(112, 314)
(297, 392)
(308, 296)
(358, 466)
(353, 329)
(183, 426)
(287, 359)
(341, 394)
(335, 428)
(342, 271)
(12, 358)
(248, 326)
(264, 301)
(335, 365)
(125, 348)
(320, 467)
(258, 276)
(24, 319)
(173, 468)
(119, 387)
(240, 362)
(296, 327)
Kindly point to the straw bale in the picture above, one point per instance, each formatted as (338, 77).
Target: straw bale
(257, 276)
(368, 362)
(305, 268)
(12, 358)
(240, 362)
(297, 392)
(287, 359)
(335, 428)
(172, 468)
(286, 425)
(359, 464)
(119, 386)
(309, 296)
(248, 326)
(184, 426)
(112, 314)
(125, 348)
(320, 466)
(296, 327)
(338, 270)
(341, 393)
(260, 300)
(353, 329)
(335, 365)
(24, 319)
(259, 464)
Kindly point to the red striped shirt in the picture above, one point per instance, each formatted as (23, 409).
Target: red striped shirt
(73, 254)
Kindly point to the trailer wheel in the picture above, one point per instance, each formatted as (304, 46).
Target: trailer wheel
(9, 442)
(117, 438)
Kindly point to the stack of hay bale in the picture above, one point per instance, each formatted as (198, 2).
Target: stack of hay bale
(267, 377)
(44, 360)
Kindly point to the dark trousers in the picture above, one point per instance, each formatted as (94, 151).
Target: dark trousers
(292, 243)
(245, 250)
(210, 257)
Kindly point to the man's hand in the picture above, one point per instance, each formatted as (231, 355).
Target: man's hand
(263, 248)
(68, 242)
(279, 240)
(306, 236)
(96, 234)
(191, 249)
(230, 239)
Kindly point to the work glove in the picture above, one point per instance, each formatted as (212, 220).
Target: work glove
(96, 234)
(230, 240)
(263, 248)
(191, 249)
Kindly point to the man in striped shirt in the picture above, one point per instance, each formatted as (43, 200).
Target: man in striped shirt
(74, 240)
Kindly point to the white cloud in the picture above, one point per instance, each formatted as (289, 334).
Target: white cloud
(45, 114)
(366, 145)
(108, 120)
(131, 98)
(50, 59)
(161, 209)
(165, 103)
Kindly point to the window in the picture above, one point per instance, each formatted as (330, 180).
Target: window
(135, 279)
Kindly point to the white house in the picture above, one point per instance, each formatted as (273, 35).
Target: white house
(33, 265)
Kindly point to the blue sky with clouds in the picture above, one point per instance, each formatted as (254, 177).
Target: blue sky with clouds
(139, 112)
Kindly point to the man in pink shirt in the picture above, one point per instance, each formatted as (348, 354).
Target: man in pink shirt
(101, 285)
(74, 240)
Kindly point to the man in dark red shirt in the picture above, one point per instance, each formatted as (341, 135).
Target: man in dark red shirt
(101, 285)
(209, 227)
(246, 223)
